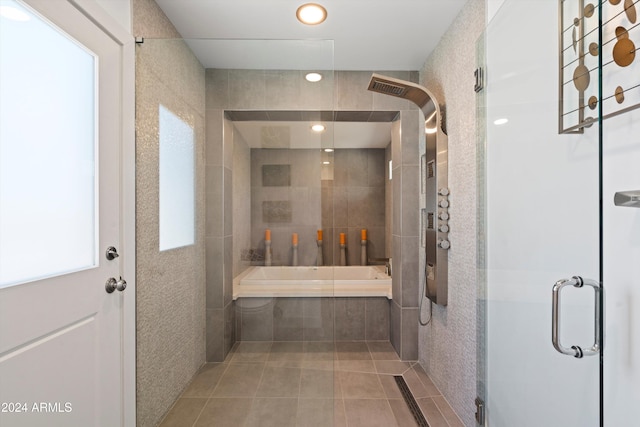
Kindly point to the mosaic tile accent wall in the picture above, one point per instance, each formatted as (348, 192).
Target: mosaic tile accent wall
(448, 343)
(170, 284)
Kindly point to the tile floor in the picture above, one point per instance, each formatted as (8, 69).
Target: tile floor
(305, 384)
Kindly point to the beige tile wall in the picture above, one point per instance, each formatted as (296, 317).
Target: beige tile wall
(353, 200)
(303, 197)
(343, 91)
(388, 205)
(241, 202)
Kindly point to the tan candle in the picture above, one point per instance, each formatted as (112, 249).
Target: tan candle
(294, 238)
(267, 234)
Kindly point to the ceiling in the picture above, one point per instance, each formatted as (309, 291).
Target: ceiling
(357, 35)
(298, 135)
(292, 129)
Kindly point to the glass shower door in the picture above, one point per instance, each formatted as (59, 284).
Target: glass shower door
(542, 229)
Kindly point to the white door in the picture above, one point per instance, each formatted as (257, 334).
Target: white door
(61, 332)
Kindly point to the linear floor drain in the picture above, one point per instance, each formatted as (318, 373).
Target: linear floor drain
(411, 401)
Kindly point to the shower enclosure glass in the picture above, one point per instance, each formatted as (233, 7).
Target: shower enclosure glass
(547, 214)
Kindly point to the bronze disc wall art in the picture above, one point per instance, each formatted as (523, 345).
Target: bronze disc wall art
(581, 40)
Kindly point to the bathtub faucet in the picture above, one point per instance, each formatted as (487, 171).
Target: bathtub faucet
(382, 261)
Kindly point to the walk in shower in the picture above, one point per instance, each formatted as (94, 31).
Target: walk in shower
(273, 194)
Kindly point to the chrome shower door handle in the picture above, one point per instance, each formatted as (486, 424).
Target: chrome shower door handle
(575, 350)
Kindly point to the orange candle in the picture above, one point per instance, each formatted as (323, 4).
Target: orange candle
(363, 234)
(267, 234)
(319, 234)
(342, 238)
(294, 238)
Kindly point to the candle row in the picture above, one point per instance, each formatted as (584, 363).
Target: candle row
(294, 237)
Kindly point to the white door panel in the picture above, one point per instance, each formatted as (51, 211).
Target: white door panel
(61, 355)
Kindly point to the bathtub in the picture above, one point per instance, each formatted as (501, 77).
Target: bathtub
(351, 281)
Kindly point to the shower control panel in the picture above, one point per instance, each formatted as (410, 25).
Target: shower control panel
(434, 180)
(443, 227)
(437, 204)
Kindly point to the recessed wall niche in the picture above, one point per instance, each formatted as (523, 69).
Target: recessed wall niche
(276, 175)
(277, 211)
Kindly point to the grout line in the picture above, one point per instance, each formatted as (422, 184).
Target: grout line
(452, 411)
(300, 381)
(201, 411)
(393, 414)
(220, 379)
(344, 411)
(253, 398)
(440, 395)
(441, 414)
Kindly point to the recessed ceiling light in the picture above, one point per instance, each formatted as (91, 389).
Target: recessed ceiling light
(501, 121)
(313, 77)
(326, 163)
(311, 14)
(328, 150)
(318, 128)
(13, 13)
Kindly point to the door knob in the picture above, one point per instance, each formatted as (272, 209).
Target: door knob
(112, 253)
(113, 284)
(121, 284)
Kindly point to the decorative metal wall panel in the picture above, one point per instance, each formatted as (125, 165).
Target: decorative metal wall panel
(588, 30)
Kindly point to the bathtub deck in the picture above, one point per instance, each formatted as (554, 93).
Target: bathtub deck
(252, 284)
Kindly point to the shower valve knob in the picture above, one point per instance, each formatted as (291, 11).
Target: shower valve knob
(444, 244)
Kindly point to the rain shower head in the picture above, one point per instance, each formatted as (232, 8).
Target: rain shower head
(415, 93)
